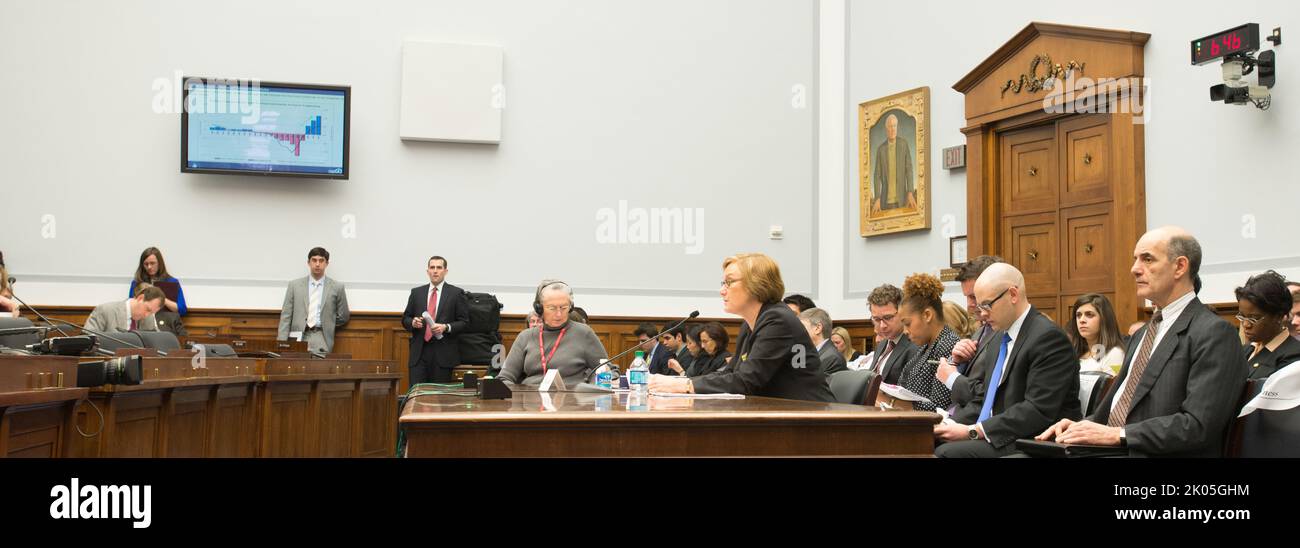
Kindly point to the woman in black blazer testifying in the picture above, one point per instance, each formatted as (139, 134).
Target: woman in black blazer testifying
(777, 359)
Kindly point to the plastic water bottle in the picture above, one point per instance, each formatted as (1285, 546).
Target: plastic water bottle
(605, 379)
(638, 376)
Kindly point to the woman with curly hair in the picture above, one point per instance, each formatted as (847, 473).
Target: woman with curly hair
(922, 318)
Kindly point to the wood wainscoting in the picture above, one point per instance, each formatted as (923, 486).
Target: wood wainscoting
(380, 336)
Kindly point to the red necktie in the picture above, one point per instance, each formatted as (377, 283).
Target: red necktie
(433, 313)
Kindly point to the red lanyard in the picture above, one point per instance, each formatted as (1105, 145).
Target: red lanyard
(547, 357)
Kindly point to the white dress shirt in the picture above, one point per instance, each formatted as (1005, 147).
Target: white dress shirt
(314, 286)
(991, 391)
(437, 304)
(1168, 315)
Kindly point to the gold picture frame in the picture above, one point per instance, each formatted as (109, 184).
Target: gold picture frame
(900, 203)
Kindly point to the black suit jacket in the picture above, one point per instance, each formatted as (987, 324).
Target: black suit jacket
(705, 364)
(1263, 365)
(968, 389)
(658, 361)
(1040, 382)
(832, 360)
(453, 309)
(771, 363)
(1188, 394)
(898, 359)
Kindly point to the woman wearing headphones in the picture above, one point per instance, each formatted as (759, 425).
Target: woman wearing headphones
(569, 347)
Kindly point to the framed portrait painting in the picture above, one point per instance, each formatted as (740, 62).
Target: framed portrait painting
(894, 163)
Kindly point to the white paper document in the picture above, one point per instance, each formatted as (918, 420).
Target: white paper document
(723, 396)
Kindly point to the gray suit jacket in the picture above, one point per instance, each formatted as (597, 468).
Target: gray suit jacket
(110, 317)
(1188, 394)
(333, 313)
(832, 360)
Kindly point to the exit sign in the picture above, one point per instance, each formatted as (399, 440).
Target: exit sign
(954, 157)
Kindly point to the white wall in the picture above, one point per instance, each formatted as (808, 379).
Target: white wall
(1207, 165)
(663, 104)
(682, 104)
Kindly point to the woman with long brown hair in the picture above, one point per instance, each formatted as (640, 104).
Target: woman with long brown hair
(1095, 335)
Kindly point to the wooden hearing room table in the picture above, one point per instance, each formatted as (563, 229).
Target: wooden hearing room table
(578, 424)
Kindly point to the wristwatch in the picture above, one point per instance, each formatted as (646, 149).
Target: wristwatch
(974, 433)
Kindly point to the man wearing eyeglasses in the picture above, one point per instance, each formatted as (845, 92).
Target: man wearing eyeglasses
(1034, 378)
(434, 348)
(965, 375)
(1178, 390)
(894, 350)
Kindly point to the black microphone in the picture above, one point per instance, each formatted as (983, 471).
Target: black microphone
(38, 312)
(107, 336)
(610, 361)
(12, 279)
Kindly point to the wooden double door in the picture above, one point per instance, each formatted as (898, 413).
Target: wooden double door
(1057, 211)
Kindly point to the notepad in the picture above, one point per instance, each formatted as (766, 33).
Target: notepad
(898, 392)
(723, 396)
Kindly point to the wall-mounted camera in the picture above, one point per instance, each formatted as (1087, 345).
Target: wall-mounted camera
(1237, 49)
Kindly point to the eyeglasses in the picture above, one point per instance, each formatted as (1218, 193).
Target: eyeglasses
(553, 309)
(988, 306)
(1247, 321)
(726, 284)
(887, 318)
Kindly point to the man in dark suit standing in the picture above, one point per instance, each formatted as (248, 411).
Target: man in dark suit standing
(895, 350)
(1177, 392)
(434, 350)
(1034, 378)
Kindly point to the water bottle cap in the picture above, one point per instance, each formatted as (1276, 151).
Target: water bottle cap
(639, 353)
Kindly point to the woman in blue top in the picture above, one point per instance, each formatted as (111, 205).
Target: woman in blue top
(151, 270)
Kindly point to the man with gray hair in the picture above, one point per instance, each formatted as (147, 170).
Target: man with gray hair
(894, 185)
(818, 324)
(1177, 392)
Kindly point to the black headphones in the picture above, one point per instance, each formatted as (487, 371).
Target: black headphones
(537, 297)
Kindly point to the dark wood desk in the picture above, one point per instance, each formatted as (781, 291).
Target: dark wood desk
(178, 411)
(327, 408)
(572, 424)
(38, 398)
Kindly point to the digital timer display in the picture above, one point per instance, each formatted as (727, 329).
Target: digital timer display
(1217, 46)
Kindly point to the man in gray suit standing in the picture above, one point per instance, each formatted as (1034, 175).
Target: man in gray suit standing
(314, 306)
(1178, 390)
(136, 314)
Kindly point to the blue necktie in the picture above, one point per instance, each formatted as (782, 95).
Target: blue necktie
(992, 392)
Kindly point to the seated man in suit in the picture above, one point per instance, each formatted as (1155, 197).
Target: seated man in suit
(136, 314)
(1034, 378)
(434, 346)
(895, 350)
(679, 360)
(818, 324)
(965, 377)
(799, 303)
(314, 305)
(656, 355)
(1183, 373)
